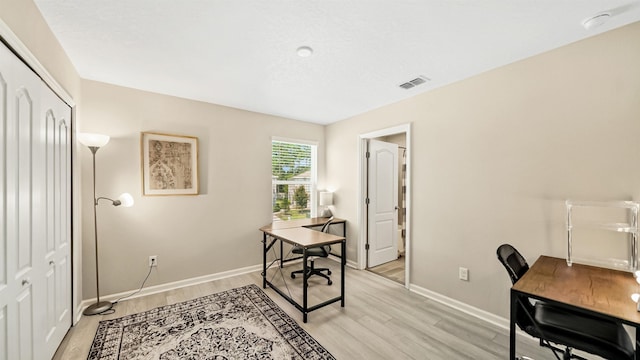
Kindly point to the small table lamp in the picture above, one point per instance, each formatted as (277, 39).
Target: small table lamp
(326, 199)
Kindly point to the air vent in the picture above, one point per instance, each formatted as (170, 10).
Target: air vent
(418, 81)
(415, 82)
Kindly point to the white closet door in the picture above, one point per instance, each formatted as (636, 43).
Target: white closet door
(34, 222)
(55, 135)
(19, 119)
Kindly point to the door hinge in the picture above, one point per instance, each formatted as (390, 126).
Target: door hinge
(368, 154)
(366, 246)
(366, 201)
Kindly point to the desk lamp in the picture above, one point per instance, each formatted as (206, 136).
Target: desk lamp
(326, 199)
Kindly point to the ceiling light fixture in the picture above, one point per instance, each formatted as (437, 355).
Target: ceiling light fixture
(596, 20)
(304, 51)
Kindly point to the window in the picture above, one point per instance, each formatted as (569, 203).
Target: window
(293, 179)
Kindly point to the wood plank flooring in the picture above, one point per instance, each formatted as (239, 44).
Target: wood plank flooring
(381, 320)
(393, 270)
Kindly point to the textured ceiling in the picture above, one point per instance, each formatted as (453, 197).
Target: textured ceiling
(242, 53)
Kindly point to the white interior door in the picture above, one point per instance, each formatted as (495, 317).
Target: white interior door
(383, 202)
(35, 271)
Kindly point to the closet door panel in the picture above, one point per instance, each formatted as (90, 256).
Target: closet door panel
(63, 294)
(4, 261)
(25, 323)
(4, 351)
(26, 190)
(50, 295)
(17, 140)
(23, 125)
(56, 135)
(7, 292)
(50, 174)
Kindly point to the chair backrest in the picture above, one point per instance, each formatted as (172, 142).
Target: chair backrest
(516, 266)
(325, 229)
(513, 261)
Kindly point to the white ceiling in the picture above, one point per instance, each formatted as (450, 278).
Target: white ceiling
(242, 53)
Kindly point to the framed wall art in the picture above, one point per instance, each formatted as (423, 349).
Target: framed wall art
(169, 164)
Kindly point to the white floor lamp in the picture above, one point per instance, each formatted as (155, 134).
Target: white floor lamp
(95, 142)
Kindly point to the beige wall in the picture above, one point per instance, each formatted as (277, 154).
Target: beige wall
(26, 22)
(495, 156)
(193, 236)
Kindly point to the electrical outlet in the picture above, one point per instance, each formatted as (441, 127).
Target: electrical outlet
(463, 274)
(153, 260)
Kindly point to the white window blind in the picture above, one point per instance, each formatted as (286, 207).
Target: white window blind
(293, 178)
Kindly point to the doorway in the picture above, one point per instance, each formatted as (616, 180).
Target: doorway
(384, 246)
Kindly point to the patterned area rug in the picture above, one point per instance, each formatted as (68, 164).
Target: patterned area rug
(242, 323)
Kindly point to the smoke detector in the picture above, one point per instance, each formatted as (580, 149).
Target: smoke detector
(596, 20)
(304, 51)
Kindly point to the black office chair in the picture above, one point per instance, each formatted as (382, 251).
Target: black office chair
(312, 254)
(553, 324)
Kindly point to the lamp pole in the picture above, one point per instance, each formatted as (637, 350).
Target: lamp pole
(100, 306)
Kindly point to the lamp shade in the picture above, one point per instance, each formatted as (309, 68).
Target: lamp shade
(126, 200)
(326, 198)
(93, 140)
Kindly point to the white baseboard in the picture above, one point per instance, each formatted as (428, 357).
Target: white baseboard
(465, 308)
(352, 264)
(178, 284)
(458, 305)
(168, 286)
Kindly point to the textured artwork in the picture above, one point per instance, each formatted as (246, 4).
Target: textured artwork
(169, 164)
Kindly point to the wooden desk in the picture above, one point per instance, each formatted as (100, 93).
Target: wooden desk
(306, 223)
(298, 233)
(589, 289)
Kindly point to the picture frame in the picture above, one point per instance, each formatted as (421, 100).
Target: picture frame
(169, 164)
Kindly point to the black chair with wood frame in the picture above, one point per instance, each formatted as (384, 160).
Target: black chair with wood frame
(312, 254)
(561, 326)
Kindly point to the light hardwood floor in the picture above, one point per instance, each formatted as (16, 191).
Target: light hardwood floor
(381, 320)
(393, 270)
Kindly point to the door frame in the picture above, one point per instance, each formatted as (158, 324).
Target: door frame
(362, 195)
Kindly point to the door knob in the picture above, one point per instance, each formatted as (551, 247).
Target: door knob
(25, 282)
(52, 262)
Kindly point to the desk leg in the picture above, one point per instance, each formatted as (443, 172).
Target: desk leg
(343, 261)
(512, 325)
(281, 254)
(305, 284)
(264, 260)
